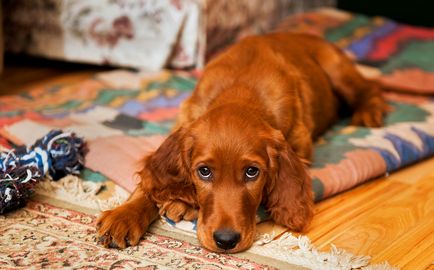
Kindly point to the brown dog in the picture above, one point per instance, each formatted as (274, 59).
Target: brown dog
(242, 138)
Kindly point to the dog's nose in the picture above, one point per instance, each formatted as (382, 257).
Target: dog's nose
(226, 239)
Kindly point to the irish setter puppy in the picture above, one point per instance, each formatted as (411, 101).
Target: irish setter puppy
(243, 138)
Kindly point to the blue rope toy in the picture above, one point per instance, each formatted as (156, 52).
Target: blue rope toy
(55, 155)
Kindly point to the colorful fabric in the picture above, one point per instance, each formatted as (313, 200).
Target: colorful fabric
(45, 236)
(122, 124)
(402, 54)
(347, 156)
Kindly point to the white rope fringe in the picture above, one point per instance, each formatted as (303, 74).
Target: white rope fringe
(300, 251)
(83, 193)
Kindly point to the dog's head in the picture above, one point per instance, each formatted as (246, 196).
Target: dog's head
(235, 161)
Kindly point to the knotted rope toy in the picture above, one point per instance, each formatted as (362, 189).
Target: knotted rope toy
(54, 156)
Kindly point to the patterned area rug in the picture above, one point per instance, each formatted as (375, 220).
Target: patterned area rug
(45, 236)
(56, 234)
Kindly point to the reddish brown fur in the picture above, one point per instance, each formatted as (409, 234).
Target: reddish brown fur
(260, 103)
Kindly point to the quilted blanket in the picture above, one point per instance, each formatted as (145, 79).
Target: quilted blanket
(124, 115)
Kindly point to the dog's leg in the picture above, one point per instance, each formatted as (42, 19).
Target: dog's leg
(127, 223)
(363, 96)
(177, 210)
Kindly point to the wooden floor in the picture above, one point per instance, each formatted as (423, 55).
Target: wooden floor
(391, 219)
(23, 73)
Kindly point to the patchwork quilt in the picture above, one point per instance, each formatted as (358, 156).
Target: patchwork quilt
(123, 115)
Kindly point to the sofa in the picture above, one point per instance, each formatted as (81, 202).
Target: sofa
(146, 34)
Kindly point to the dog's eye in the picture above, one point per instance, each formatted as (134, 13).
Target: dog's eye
(204, 173)
(252, 173)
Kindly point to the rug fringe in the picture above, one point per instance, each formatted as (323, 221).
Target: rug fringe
(300, 251)
(77, 191)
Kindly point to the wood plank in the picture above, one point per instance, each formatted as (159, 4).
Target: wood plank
(24, 73)
(413, 250)
(350, 206)
(31, 80)
(380, 227)
(430, 267)
(412, 174)
(271, 228)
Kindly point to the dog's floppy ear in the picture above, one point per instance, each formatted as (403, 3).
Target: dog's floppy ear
(289, 197)
(168, 162)
(166, 171)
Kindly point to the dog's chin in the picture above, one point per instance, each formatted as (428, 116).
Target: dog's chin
(208, 242)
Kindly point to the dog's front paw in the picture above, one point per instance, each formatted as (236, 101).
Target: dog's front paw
(121, 227)
(177, 210)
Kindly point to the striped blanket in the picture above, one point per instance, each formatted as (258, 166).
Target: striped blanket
(398, 54)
